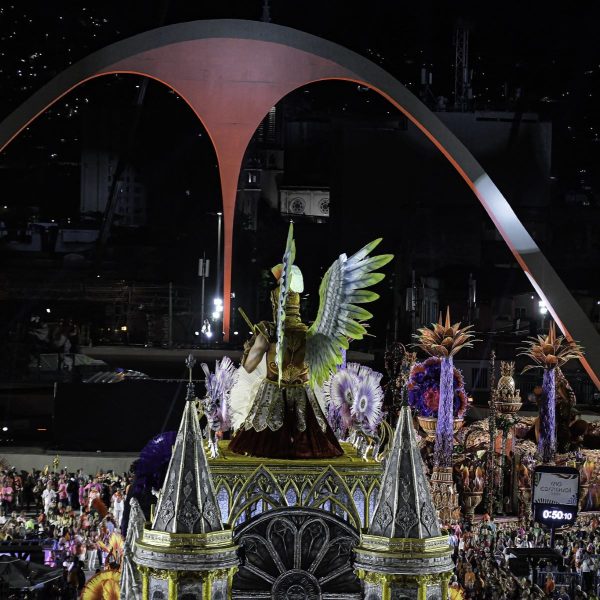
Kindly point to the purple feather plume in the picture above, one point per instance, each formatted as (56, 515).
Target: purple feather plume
(547, 441)
(444, 432)
(218, 388)
(151, 466)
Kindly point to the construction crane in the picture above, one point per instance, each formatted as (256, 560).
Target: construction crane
(463, 93)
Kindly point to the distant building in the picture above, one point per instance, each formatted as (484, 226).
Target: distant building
(52, 238)
(101, 146)
(304, 202)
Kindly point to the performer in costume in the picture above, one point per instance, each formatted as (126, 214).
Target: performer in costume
(284, 419)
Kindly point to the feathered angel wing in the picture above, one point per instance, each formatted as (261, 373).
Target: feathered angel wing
(284, 288)
(339, 318)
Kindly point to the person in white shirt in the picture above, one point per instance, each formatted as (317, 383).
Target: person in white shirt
(118, 505)
(48, 497)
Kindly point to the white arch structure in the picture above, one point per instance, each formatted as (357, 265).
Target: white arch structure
(232, 72)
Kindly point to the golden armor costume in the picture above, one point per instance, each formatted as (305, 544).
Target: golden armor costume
(285, 419)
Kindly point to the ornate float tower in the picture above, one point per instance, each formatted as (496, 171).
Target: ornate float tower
(403, 554)
(187, 553)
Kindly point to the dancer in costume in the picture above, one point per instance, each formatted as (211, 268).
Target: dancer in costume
(285, 419)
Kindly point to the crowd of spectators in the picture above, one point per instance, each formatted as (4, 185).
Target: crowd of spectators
(72, 515)
(483, 553)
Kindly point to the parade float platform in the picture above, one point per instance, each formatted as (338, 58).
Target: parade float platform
(346, 486)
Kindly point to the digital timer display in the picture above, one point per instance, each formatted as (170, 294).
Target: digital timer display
(555, 495)
(557, 515)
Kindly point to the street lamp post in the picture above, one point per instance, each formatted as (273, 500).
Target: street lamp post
(217, 315)
(219, 291)
(203, 271)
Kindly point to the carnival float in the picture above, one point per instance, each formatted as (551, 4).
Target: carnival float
(310, 460)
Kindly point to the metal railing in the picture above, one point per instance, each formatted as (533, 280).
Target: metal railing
(569, 580)
(150, 295)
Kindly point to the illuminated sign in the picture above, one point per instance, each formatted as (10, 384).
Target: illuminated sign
(555, 495)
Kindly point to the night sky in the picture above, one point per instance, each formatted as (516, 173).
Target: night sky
(551, 56)
(524, 57)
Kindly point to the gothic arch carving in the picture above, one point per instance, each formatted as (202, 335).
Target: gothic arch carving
(297, 550)
(260, 487)
(330, 491)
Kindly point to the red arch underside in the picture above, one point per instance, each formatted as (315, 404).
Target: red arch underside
(231, 83)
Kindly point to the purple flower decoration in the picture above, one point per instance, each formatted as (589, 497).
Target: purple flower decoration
(341, 388)
(368, 399)
(424, 389)
(355, 399)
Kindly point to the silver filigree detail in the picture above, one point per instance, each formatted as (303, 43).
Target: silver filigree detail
(429, 519)
(383, 517)
(167, 511)
(406, 519)
(189, 516)
(209, 512)
(404, 499)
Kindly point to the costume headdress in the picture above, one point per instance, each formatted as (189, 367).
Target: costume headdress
(296, 287)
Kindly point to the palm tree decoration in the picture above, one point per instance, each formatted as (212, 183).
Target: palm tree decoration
(444, 340)
(549, 352)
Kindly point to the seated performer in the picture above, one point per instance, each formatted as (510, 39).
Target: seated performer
(284, 419)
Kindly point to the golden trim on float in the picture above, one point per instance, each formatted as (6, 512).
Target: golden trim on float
(163, 539)
(425, 546)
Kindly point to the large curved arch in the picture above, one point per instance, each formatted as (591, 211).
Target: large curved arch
(232, 72)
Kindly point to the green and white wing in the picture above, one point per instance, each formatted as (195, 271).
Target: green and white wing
(339, 318)
(284, 288)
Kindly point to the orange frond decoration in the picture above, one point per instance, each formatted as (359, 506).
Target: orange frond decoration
(100, 507)
(549, 351)
(116, 543)
(277, 271)
(455, 593)
(113, 547)
(444, 339)
(103, 586)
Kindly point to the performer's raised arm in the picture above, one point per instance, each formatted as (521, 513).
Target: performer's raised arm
(254, 351)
